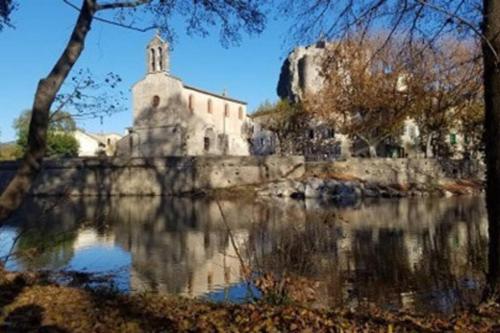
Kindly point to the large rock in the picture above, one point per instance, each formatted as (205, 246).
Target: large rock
(328, 189)
(282, 189)
(314, 187)
(300, 72)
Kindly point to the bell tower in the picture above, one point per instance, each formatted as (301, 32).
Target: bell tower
(157, 56)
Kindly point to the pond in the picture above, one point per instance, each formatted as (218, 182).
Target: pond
(422, 254)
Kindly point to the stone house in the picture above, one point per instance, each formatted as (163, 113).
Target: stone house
(314, 140)
(174, 119)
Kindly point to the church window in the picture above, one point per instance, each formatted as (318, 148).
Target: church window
(240, 112)
(156, 101)
(191, 103)
(206, 143)
(153, 60)
(453, 138)
(226, 110)
(209, 106)
(160, 59)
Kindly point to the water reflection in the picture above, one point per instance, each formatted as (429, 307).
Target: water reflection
(418, 254)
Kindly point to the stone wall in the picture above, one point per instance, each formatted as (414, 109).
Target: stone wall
(178, 175)
(155, 176)
(391, 171)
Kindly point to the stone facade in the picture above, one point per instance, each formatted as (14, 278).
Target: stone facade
(313, 139)
(174, 119)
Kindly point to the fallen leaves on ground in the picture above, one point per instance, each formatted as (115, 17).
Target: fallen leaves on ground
(28, 305)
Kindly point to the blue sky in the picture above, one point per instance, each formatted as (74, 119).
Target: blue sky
(249, 71)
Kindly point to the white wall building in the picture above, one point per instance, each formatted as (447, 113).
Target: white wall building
(174, 119)
(91, 144)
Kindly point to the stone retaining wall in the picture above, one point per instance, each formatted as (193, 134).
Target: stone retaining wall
(178, 175)
(155, 176)
(391, 171)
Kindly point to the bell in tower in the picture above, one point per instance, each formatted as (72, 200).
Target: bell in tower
(157, 56)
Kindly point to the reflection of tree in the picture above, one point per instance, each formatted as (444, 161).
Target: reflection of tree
(404, 253)
(38, 249)
(46, 235)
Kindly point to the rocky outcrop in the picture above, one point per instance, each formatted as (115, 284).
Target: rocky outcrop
(348, 191)
(282, 189)
(354, 179)
(300, 72)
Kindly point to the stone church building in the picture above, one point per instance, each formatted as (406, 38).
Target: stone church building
(174, 119)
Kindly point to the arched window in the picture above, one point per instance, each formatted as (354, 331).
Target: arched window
(240, 112)
(209, 106)
(226, 110)
(191, 103)
(153, 60)
(156, 101)
(206, 144)
(160, 59)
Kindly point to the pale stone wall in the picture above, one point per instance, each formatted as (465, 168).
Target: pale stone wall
(391, 171)
(171, 119)
(216, 120)
(155, 176)
(178, 175)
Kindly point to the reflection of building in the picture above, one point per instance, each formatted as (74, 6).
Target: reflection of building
(396, 252)
(172, 119)
(181, 247)
(87, 238)
(193, 269)
(92, 144)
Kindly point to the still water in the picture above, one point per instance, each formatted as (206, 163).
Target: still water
(416, 254)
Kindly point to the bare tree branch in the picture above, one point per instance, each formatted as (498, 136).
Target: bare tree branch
(122, 4)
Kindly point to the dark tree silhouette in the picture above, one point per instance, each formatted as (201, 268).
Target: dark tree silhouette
(6, 8)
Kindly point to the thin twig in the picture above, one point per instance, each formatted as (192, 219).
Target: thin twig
(244, 266)
(111, 22)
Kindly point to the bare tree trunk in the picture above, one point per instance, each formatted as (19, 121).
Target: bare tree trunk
(372, 150)
(428, 147)
(46, 92)
(491, 29)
